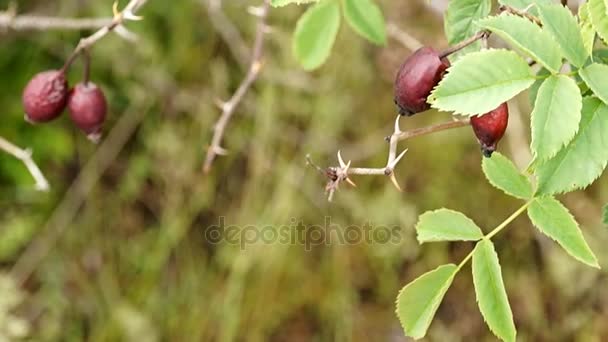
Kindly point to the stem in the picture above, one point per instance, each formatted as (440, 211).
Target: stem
(479, 35)
(508, 220)
(87, 66)
(521, 13)
(496, 231)
(417, 132)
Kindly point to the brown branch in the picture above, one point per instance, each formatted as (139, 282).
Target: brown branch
(338, 174)
(229, 107)
(522, 13)
(128, 13)
(25, 156)
(13, 22)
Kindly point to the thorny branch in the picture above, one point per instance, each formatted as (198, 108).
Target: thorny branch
(229, 107)
(341, 173)
(25, 155)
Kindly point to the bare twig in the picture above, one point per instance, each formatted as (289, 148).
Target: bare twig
(128, 13)
(229, 107)
(479, 35)
(11, 21)
(25, 155)
(522, 13)
(338, 174)
(403, 37)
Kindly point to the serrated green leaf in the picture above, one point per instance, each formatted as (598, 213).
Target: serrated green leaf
(596, 77)
(527, 37)
(480, 81)
(599, 19)
(586, 27)
(366, 18)
(459, 18)
(524, 4)
(540, 78)
(446, 225)
(583, 159)
(502, 174)
(315, 34)
(555, 221)
(418, 301)
(279, 3)
(490, 291)
(562, 25)
(556, 115)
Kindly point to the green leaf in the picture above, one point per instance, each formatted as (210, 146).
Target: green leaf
(524, 4)
(490, 291)
(365, 17)
(554, 220)
(418, 301)
(536, 85)
(595, 75)
(279, 3)
(583, 159)
(605, 214)
(599, 19)
(315, 34)
(502, 174)
(561, 24)
(480, 81)
(527, 37)
(459, 18)
(446, 225)
(556, 115)
(586, 27)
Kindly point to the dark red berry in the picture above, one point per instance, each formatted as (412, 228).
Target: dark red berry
(45, 96)
(88, 108)
(416, 78)
(490, 127)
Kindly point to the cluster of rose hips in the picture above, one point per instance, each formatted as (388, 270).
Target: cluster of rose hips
(417, 78)
(47, 95)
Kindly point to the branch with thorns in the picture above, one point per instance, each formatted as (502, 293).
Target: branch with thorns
(229, 107)
(338, 174)
(25, 155)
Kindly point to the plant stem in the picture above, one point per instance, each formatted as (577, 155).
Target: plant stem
(496, 231)
(416, 132)
(464, 43)
(508, 220)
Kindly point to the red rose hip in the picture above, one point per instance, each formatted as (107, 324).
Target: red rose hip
(416, 78)
(490, 127)
(45, 96)
(87, 106)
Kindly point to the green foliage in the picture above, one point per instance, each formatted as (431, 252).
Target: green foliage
(556, 115)
(480, 81)
(490, 291)
(316, 33)
(586, 27)
(418, 301)
(562, 25)
(501, 173)
(583, 159)
(365, 17)
(596, 77)
(527, 37)
(554, 220)
(597, 11)
(446, 225)
(459, 20)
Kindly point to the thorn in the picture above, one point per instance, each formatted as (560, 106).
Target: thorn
(396, 161)
(124, 33)
(397, 128)
(340, 160)
(349, 181)
(256, 11)
(130, 16)
(395, 183)
(219, 103)
(256, 66)
(220, 150)
(115, 10)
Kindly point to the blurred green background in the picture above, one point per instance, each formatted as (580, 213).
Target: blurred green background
(132, 261)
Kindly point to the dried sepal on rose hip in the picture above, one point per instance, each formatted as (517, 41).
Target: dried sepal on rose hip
(45, 96)
(417, 77)
(88, 108)
(490, 127)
